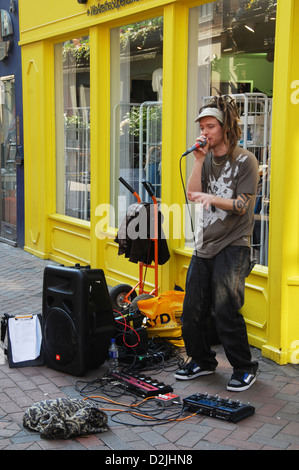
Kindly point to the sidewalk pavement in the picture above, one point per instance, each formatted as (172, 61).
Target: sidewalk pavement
(275, 395)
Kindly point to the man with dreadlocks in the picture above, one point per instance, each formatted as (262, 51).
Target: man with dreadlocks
(224, 180)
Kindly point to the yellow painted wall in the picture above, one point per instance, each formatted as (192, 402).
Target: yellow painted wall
(272, 294)
(283, 306)
(35, 141)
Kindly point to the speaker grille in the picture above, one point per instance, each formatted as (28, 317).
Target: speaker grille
(78, 320)
(61, 337)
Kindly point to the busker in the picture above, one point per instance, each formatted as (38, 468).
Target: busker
(224, 180)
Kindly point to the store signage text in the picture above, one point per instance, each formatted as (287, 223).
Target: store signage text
(109, 5)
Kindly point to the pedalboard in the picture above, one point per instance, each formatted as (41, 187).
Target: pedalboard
(141, 384)
(200, 403)
(216, 407)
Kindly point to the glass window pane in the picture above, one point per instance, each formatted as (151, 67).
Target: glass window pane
(231, 50)
(8, 146)
(136, 111)
(72, 75)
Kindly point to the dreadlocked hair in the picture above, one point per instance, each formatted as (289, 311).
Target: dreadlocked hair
(231, 129)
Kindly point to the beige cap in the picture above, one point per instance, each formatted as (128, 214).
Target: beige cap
(214, 112)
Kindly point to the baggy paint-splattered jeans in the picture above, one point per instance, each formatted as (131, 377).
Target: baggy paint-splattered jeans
(217, 284)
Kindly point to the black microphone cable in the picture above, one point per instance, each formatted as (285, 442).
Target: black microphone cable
(197, 145)
(186, 199)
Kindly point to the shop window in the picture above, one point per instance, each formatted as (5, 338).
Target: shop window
(231, 49)
(136, 111)
(72, 84)
(8, 171)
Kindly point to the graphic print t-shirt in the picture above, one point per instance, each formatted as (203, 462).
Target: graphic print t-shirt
(216, 229)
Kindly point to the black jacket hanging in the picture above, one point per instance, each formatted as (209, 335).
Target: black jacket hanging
(136, 235)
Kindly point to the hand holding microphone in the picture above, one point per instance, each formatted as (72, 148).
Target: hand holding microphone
(196, 146)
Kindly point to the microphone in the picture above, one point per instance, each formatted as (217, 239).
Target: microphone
(195, 147)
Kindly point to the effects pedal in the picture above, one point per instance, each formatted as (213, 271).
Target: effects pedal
(141, 384)
(216, 407)
(168, 399)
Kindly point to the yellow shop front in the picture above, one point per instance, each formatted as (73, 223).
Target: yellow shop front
(111, 89)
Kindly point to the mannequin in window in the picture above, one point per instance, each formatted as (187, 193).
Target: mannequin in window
(153, 158)
(157, 83)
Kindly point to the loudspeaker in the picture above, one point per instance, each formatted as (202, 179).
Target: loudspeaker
(78, 320)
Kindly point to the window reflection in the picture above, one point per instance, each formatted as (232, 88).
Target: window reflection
(73, 127)
(8, 173)
(231, 50)
(136, 110)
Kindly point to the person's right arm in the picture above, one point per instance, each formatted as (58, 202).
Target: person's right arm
(194, 182)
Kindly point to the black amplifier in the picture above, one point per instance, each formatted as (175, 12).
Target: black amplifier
(216, 407)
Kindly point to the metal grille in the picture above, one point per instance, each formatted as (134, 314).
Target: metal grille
(77, 163)
(136, 149)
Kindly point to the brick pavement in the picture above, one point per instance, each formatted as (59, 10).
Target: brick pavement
(275, 396)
